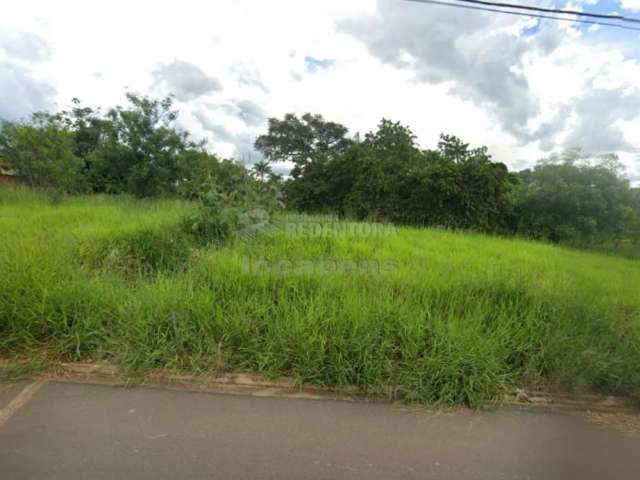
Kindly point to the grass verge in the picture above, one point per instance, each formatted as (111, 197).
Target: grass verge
(425, 315)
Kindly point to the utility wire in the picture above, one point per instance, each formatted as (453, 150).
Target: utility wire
(606, 16)
(522, 14)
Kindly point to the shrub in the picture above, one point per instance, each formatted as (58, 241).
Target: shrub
(42, 154)
(142, 252)
(577, 199)
(140, 149)
(210, 223)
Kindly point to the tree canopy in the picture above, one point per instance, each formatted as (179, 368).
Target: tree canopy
(388, 177)
(139, 149)
(575, 197)
(301, 140)
(136, 149)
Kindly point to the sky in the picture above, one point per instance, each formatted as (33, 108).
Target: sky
(525, 88)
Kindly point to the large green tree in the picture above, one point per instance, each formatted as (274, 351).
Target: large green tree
(576, 198)
(388, 177)
(140, 149)
(41, 152)
(387, 156)
(262, 170)
(301, 140)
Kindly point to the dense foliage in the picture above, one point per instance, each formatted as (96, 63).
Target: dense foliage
(576, 198)
(138, 149)
(569, 198)
(42, 153)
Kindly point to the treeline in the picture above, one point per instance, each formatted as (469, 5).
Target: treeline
(135, 149)
(138, 149)
(386, 176)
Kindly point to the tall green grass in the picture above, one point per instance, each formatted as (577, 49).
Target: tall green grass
(455, 319)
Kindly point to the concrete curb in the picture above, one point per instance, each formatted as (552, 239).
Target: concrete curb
(255, 385)
(231, 383)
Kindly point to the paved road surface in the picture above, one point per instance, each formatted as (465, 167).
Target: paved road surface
(100, 432)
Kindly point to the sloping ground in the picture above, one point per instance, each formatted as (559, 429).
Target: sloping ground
(426, 315)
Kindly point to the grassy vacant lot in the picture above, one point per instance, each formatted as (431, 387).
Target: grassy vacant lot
(425, 315)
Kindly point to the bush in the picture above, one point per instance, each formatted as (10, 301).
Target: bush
(387, 177)
(136, 149)
(576, 199)
(210, 224)
(42, 154)
(236, 209)
(143, 252)
(140, 149)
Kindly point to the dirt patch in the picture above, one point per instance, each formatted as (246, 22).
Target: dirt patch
(627, 423)
(572, 403)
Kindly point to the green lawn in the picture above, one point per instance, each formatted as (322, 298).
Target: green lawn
(425, 315)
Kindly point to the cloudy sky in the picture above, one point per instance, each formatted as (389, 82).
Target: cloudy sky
(523, 87)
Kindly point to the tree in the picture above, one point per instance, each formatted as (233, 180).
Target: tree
(454, 186)
(576, 198)
(199, 170)
(325, 184)
(387, 156)
(301, 140)
(262, 170)
(485, 190)
(87, 126)
(635, 227)
(140, 149)
(387, 177)
(41, 152)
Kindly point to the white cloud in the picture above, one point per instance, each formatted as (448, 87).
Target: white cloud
(21, 93)
(631, 4)
(24, 46)
(185, 80)
(520, 95)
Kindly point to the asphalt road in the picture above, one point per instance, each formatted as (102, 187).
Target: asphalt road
(65, 430)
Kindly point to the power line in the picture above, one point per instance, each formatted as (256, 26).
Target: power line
(606, 16)
(523, 14)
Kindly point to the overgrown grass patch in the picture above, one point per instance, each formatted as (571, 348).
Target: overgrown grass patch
(459, 319)
(139, 252)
